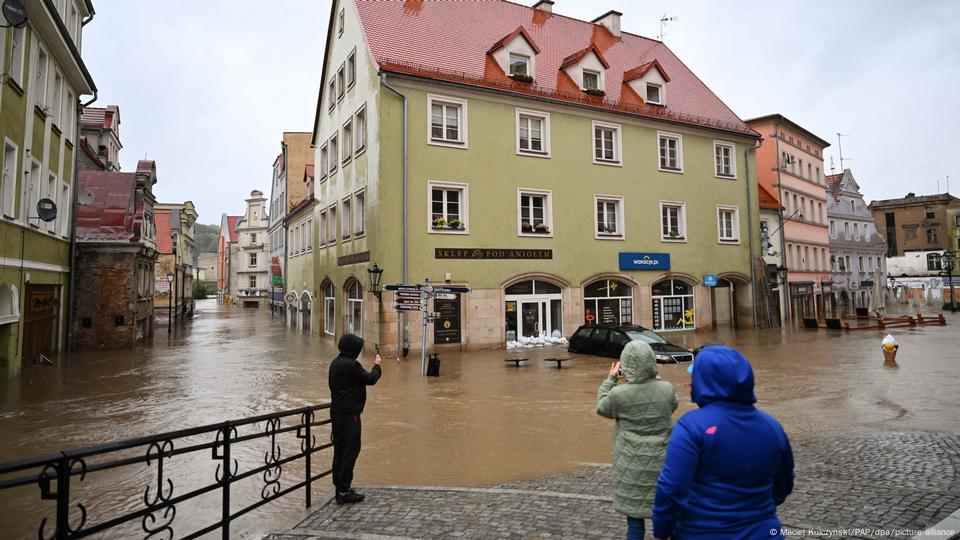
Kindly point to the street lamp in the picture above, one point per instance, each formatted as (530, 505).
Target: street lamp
(169, 302)
(949, 261)
(374, 273)
(782, 274)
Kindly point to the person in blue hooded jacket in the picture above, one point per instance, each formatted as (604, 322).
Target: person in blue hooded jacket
(729, 465)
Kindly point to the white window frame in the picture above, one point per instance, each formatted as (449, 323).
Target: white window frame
(65, 210)
(332, 218)
(52, 185)
(547, 211)
(330, 310)
(544, 135)
(16, 62)
(359, 213)
(735, 239)
(56, 98)
(332, 91)
(346, 150)
(620, 232)
(252, 260)
(617, 143)
(322, 231)
(352, 69)
(646, 89)
(9, 187)
(28, 200)
(583, 79)
(833, 228)
(333, 151)
(341, 82)
(464, 190)
(360, 135)
(40, 90)
(252, 281)
(346, 218)
(324, 152)
(527, 60)
(341, 21)
(733, 159)
(679, 138)
(463, 132)
(682, 225)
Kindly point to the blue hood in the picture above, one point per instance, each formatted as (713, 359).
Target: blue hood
(722, 374)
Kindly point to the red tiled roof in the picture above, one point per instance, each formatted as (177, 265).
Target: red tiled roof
(308, 173)
(99, 117)
(833, 185)
(767, 200)
(91, 153)
(111, 215)
(232, 225)
(164, 240)
(520, 31)
(449, 41)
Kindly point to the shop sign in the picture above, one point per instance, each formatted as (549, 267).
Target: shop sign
(353, 258)
(710, 280)
(447, 327)
(492, 253)
(644, 261)
(796, 289)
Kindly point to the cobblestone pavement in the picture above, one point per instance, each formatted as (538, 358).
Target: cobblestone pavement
(877, 481)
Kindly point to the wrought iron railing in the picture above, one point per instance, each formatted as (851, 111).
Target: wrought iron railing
(57, 476)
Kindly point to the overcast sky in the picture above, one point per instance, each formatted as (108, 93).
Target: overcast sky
(206, 88)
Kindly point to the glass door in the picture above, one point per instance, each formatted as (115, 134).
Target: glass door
(530, 318)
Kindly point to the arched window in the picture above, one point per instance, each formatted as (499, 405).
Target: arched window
(533, 308)
(305, 305)
(354, 314)
(329, 309)
(608, 301)
(673, 305)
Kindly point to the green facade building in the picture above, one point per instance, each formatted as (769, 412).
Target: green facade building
(43, 79)
(566, 171)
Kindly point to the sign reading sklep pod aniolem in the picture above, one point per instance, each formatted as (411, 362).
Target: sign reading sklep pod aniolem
(644, 261)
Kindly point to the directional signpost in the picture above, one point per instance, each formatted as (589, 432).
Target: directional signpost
(416, 298)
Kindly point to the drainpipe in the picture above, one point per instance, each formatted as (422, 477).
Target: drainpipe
(753, 273)
(785, 287)
(406, 253)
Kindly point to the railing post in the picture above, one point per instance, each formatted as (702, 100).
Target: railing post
(227, 479)
(63, 497)
(308, 419)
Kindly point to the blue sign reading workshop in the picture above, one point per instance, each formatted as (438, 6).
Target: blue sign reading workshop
(644, 261)
(710, 280)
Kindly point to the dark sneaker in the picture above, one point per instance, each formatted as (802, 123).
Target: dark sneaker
(349, 497)
(357, 493)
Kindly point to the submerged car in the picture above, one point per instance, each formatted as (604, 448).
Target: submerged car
(609, 340)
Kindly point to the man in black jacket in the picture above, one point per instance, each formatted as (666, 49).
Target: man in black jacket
(348, 393)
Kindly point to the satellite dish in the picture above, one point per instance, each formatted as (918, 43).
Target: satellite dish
(46, 210)
(85, 197)
(14, 13)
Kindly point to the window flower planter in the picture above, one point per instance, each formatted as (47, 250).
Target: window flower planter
(595, 92)
(522, 78)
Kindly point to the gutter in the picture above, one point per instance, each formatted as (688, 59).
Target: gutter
(753, 272)
(74, 204)
(785, 290)
(406, 236)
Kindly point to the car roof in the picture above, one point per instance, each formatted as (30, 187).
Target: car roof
(624, 327)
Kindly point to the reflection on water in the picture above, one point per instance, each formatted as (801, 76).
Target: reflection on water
(482, 421)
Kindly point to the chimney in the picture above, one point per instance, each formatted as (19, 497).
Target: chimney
(611, 20)
(910, 195)
(544, 5)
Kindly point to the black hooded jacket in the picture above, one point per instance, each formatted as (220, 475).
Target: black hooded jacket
(348, 380)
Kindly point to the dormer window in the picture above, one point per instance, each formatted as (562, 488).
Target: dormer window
(519, 64)
(591, 80)
(654, 93)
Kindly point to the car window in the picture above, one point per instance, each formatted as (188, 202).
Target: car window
(646, 336)
(619, 338)
(584, 333)
(600, 335)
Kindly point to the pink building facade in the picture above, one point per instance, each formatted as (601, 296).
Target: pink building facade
(790, 166)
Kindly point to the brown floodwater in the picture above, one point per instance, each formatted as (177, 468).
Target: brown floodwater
(482, 421)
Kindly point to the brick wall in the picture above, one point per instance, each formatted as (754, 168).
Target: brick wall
(107, 306)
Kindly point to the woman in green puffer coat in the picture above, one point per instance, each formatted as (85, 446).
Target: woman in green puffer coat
(642, 409)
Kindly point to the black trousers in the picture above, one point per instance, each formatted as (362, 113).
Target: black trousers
(345, 432)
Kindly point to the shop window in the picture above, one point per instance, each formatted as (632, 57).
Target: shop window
(608, 301)
(329, 309)
(533, 309)
(354, 315)
(673, 305)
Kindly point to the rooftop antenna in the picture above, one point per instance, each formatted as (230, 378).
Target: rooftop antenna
(833, 169)
(663, 21)
(840, 145)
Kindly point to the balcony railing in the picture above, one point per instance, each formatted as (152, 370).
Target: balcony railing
(62, 477)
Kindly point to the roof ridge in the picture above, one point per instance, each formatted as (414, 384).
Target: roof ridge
(554, 14)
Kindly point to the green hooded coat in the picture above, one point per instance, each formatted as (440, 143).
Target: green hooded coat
(642, 409)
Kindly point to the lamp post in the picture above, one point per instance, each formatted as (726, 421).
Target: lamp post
(374, 273)
(949, 261)
(169, 301)
(173, 239)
